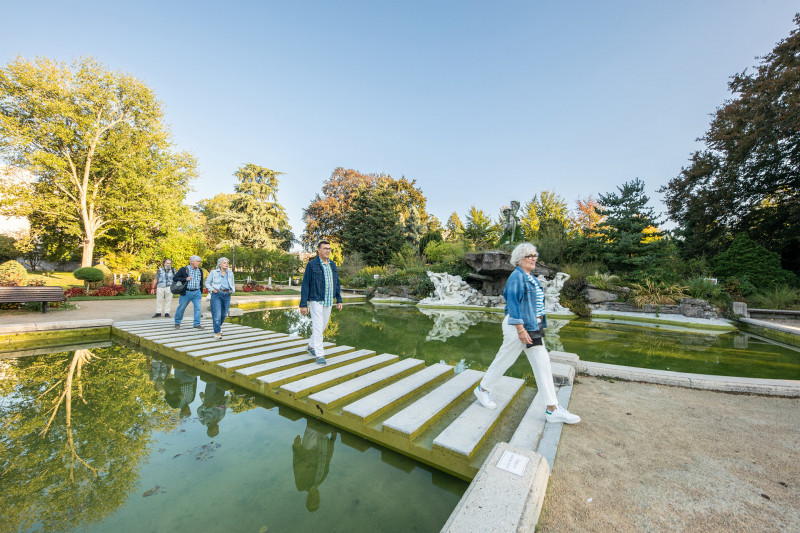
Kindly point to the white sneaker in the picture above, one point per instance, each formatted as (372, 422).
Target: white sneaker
(562, 415)
(485, 398)
(217, 336)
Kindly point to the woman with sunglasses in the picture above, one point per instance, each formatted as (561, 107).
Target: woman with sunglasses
(523, 330)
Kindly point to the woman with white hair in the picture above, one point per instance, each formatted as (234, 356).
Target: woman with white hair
(523, 330)
(221, 285)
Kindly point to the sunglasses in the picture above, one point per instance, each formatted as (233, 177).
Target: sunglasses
(532, 256)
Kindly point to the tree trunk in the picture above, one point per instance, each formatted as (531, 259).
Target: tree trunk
(88, 251)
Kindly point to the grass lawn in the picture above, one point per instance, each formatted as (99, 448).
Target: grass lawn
(60, 279)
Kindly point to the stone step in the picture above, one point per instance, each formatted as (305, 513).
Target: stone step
(280, 360)
(349, 390)
(129, 323)
(262, 349)
(255, 344)
(466, 433)
(227, 340)
(171, 335)
(163, 325)
(418, 416)
(563, 374)
(284, 376)
(370, 407)
(304, 387)
(530, 428)
(227, 336)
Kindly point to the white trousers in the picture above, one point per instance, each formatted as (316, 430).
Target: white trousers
(507, 356)
(320, 315)
(163, 300)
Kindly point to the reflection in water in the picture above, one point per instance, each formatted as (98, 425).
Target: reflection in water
(311, 459)
(134, 465)
(450, 323)
(212, 411)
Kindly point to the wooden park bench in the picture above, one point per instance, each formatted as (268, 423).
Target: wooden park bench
(32, 294)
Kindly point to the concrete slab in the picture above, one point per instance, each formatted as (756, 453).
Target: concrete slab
(328, 398)
(499, 501)
(530, 428)
(273, 361)
(279, 378)
(415, 418)
(563, 374)
(266, 348)
(228, 339)
(11, 329)
(311, 384)
(548, 443)
(466, 433)
(370, 407)
(255, 344)
(567, 358)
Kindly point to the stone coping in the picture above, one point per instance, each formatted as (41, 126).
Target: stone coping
(486, 309)
(675, 320)
(771, 325)
(11, 329)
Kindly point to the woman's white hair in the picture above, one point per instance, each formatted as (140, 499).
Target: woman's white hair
(523, 249)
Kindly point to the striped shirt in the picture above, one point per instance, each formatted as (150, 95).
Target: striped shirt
(326, 269)
(539, 295)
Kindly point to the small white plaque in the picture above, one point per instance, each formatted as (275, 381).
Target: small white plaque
(513, 462)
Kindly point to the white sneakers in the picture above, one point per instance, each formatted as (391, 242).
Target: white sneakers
(485, 398)
(562, 415)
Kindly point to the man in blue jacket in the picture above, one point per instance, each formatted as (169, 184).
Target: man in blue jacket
(320, 288)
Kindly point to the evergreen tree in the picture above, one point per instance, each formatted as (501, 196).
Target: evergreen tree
(627, 239)
(413, 229)
(372, 227)
(454, 229)
(255, 218)
(479, 229)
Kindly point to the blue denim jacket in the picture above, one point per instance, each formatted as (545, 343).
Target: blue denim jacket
(214, 280)
(313, 287)
(520, 295)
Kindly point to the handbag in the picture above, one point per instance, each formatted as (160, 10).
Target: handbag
(177, 287)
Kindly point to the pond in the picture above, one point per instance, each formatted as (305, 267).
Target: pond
(470, 339)
(107, 438)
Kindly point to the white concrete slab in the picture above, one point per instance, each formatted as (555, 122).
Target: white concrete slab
(530, 428)
(343, 392)
(226, 341)
(306, 386)
(499, 501)
(223, 349)
(258, 364)
(267, 348)
(279, 378)
(467, 432)
(548, 443)
(563, 374)
(370, 407)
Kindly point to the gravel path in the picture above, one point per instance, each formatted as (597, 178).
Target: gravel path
(657, 458)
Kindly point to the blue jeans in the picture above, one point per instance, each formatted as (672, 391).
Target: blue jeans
(196, 297)
(220, 301)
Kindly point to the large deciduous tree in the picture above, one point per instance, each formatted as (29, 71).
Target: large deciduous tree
(479, 229)
(372, 227)
(747, 179)
(95, 142)
(255, 219)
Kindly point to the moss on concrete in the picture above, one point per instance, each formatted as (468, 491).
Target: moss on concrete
(666, 321)
(770, 333)
(18, 341)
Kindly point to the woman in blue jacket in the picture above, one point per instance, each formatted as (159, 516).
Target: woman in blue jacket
(221, 285)
(523, 330)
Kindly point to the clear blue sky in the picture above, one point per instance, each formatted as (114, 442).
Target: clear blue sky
(480, 102)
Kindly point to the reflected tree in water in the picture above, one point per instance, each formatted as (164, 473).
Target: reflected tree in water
(75, 427)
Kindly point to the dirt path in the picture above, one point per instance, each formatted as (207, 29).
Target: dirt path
(657, 458)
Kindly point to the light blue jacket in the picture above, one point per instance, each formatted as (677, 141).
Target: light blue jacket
(214, 280)
(520, 295)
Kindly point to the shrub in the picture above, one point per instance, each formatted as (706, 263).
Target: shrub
(108, 276)
(747, 258)
(36, 281)
(408, 258)
(444, 252)
(109, 290)
(704, 288)
(740, 287)
(13, 274)
(358, 282)
(370, 271)
(147, 276)
(459, 267)
(89, 274)
(652, 293)
(581, 270)
(603, 281)
(351, 265)
(572, 296)
(777, 298)
(74, 291)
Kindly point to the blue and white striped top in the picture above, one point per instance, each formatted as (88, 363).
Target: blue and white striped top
(539, 295)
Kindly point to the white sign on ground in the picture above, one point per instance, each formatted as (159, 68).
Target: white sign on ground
(513, 462)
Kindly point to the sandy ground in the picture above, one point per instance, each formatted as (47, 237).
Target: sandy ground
(657, 458)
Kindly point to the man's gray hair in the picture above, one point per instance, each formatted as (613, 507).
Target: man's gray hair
(221, 259)
(522, 250)
(195, 258)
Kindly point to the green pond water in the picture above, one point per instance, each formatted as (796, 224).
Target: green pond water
(152, 445)
(470, 339)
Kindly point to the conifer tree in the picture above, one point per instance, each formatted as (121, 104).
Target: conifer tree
(372, 227)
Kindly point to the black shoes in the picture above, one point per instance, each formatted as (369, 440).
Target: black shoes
(156, 315)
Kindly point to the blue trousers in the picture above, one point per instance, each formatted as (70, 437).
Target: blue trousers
(220, 301)
(196, 297)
